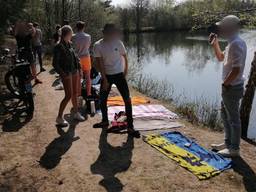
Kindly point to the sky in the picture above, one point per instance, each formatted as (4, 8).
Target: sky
(120, 2)
(127, 2)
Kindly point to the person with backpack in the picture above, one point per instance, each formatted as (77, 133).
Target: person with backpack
(66, 64)
(110, 53)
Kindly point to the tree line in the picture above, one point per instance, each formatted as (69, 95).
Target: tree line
(140, 15)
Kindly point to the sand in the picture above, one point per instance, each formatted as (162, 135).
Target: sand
(38, 157)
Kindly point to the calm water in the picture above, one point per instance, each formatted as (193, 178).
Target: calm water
(187, 62)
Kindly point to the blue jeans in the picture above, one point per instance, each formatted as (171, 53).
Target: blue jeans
(230, 114)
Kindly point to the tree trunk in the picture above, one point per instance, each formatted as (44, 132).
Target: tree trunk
(57, 12)
(47, 7)
(79, 10)
(247, 101)
(138, 17)
(63, 12)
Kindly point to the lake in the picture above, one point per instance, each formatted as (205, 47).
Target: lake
(187, 62)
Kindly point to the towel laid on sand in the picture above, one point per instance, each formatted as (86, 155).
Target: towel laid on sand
(144, 123)
(151, 123)
(188, 154)
(118, 101)
(144, 111)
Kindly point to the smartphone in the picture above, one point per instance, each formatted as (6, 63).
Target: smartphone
(212, 38)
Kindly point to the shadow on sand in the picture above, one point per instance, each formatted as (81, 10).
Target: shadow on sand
(112, 160)
(13, 115)
(243, 169)
(59, 146)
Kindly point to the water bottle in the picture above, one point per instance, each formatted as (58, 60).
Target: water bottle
(80, 102)
(93, 109)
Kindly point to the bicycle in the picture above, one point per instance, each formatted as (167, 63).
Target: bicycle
(18, 79)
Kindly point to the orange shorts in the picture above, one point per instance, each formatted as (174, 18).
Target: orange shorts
(86, 63)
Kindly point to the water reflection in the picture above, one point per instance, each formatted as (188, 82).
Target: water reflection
(184, 60)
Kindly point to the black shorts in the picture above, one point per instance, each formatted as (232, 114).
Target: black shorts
(23, 73)
(27, 56)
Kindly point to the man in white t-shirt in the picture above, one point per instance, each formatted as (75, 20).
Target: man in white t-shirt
(233, 59)
(110, 53)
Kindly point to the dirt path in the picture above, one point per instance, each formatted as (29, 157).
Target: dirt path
(39, 157)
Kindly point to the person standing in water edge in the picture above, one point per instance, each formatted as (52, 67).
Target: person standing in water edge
(234, 58)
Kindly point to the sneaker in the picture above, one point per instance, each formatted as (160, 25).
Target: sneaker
(229, 153)
(61, 122)
(218, 147)
(78, 117)
(59, 87)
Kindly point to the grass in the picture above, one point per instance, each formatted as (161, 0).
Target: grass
(155, 89)
(201, 112)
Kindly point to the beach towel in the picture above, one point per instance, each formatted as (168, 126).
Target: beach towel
(118, 101)
(144, 123)
(151, 123)
(188, 154)
(144, 111)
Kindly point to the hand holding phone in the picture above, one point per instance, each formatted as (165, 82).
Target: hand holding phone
(212, 38)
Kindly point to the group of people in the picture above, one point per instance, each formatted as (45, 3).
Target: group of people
(29, 43)
(72, 61)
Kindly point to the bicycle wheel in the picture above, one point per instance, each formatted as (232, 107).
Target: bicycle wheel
(12, 83)
(29, 101)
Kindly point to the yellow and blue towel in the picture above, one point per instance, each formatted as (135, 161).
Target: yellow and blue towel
(201, 162)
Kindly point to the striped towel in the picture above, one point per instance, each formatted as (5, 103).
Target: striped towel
(144, 111)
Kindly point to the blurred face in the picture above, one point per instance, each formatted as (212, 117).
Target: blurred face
(29, 26)
(112, 35)
(21, 28)
(228, 31)
(68, 37)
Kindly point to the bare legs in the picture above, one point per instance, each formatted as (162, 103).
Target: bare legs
(87, 75)
(75, 82)
(33, 70)
(70, 84)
